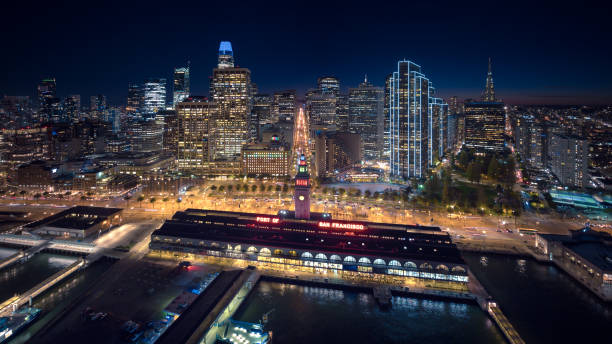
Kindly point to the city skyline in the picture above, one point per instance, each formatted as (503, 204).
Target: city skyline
(530, 66)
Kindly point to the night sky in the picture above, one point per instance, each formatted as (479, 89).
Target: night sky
(542, 54)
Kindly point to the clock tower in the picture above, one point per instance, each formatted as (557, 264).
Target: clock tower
(301, 197)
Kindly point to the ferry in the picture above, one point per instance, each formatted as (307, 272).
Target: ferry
(14, 322)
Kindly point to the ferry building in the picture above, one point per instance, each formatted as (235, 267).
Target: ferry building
(293, 242)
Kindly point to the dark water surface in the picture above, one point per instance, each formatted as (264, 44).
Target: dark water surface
(301, 314)
(19, 278)
(544, 304)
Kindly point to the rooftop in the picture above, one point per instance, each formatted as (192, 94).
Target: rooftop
(597, 253)
(75, 217)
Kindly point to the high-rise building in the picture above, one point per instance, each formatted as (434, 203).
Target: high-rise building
(569, 160)
(262, 106)
(530, 140)
(451, 133)
(134, 99)
(409, 122)
(484, 126)
(146, 135)
(72, 107)
(154, 96)
(226, 55)
(329, 84)
(181, 84)
(342, 112)
(386, 115)
(489, 95)
(284, 106)
(321, 107)
(230, 89)
(485, 121)
(97, 107)
(49, 103)
(366, 104)
(194, 117)
(438, 122)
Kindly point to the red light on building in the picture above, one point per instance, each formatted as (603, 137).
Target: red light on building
(263, 219)
(301, 182)
(342, 225)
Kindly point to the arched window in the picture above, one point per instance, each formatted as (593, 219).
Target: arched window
(364, 260)
(265, 252)
(307, 255)
(379, 262)
(349, 259)
(442, 267)
(410, 265)
(278, 252)
(335, 257)
(252, 249)
(237, 248)
(293, 253)
(425, 266)
(394, 263)
(321, 256)
(458, 269)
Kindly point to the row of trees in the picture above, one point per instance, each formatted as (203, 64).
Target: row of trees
(253, 188)
(442, 191)
(495, 167)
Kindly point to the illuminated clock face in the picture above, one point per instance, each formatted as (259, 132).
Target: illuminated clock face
(301, 198)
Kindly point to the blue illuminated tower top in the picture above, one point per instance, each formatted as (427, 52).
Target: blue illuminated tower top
(226, 55)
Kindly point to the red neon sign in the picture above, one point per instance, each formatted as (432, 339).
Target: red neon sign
(301, 182)
(342, 225)
(263, 219)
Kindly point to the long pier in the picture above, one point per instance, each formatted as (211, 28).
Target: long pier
(487, 304)
(504, 324)
(20, 300)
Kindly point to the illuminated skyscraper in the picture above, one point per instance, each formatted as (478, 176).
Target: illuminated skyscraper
(366, 117)
(489, 95)
(329, 84)
(438, 127)
(226, 55)
(135, 99)
(50, 109)
(284, 106)
(321, 107)
(181, 84)
(97, 106)
(409, 121)
(569, 160)
(194, 117)
(387, 123)
(154, 96)
(485, 121)
(230, 89)
(72, 107)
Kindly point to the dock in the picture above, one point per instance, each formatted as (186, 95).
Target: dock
(211, 310)
(487, 304)
(14, 303)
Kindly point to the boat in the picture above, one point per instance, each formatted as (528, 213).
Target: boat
(14, 322)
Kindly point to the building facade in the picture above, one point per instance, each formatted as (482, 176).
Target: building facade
(409, 122)
(265, 160)
(569, 160)
(194, 117)
(154, 96)
(366, 118)
(181, 87)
